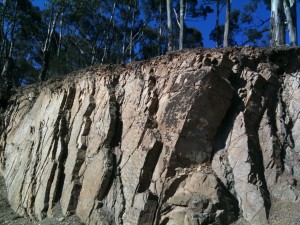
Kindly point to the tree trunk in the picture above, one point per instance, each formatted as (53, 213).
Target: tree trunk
(94, 55)
(46, 47)
(3, 36)
(227, 23)
(277, 24)
(9, 59)
(169, 26)
(60, 33)
(131, 31)
(217, 23)
(4, 84)
(45, 65)
(124, 47)
(181, 24)
(291, 17)
(111, 25)
(9, 53)
(159, 38)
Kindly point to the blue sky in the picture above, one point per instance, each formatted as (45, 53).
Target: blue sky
(205, 26)
(210, 22)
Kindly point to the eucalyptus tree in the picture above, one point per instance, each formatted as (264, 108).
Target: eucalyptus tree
(54, 10)
(91, 26)
(277, 30)
(160, 28)
(227, 23)
(290, 10)
(156, 11)
(17, 19)
(10, 17)
(150, 44)
(219, 4)
(108, 31)
(16, 62)
(188, 9)
(281, 10)
(169, 25)
(234, 28)
(181, 23)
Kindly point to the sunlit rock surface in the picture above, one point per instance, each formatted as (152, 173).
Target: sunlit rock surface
(193, 137)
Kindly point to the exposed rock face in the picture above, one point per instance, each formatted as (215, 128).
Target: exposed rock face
(195, 137)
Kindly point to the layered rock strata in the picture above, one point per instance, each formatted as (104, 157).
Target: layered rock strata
(194, 137)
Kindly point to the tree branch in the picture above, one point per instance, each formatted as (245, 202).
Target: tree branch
(177, 19)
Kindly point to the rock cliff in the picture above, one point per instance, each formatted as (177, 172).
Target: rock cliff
(194, 137)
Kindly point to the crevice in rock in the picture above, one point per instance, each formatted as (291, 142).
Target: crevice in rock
(227, 123)
(28, 191)
(271, 113)
(118, 129)
(224, 131)
(172, 187)
(65, 134)
(168, 190)
(176, 161)
(256, 160)
(113, 142)
(228, 202)
(64, 137)
(84, 131)
(110, 177)
(47, 191)
(52, 150)
(286, 127)
(237, 105)
(34, 173)
(123, 203)
(107, 179)
(115, 180)
(149, 166)
(252, 123)
(165, 221)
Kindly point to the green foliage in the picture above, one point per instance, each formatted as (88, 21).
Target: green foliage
(149, 43)
(254, 26)
(193, 38)
(88, 32)
(254, 35)
(19, 24)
